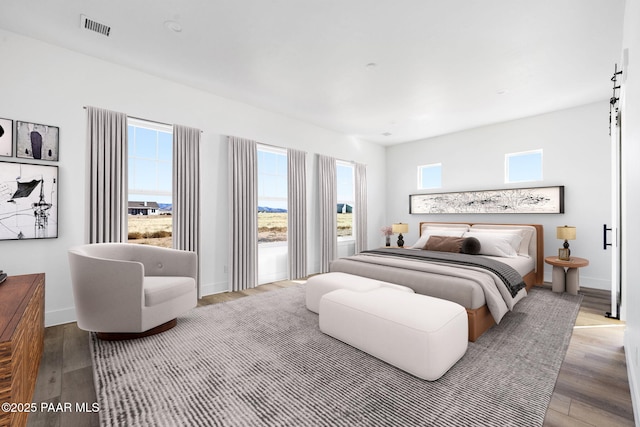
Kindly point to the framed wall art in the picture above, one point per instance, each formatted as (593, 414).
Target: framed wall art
(6, 137)
(512, 200)
(36, 141)
(28, 201)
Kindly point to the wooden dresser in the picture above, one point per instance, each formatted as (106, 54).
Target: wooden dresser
(21, 342)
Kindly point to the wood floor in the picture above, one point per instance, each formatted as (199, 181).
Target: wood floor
(592, 387)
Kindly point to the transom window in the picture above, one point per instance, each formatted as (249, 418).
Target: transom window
(523, 166)
(430, 176)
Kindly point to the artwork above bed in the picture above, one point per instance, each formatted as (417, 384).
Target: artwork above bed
(513, 200)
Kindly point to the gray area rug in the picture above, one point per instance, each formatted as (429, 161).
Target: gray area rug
(262, 361)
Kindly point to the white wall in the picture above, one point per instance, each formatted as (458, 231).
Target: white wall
(50, 85)
(630, 108)
(576, 155)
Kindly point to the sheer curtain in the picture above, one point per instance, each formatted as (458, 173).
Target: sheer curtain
(327, 193)
(186, 190)
(361, 207)
(243, 207)
(297, 212)
(107, 140)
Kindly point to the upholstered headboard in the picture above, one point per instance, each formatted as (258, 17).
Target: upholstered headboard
(533, 246)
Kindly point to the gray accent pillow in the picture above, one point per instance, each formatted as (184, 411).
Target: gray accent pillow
(470, 246)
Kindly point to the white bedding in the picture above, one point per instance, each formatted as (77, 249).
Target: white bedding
(522, 264)
(439, 278)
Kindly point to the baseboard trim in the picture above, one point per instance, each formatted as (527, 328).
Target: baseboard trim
(587, 282)
(213, 288)
(634, 388)
(59, 317)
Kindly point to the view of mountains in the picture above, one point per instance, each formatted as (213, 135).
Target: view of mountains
(270, 210)
(168, 207)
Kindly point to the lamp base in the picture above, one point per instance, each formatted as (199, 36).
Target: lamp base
(400, 241)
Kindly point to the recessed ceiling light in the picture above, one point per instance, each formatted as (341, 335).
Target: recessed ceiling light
(173, 26)
(502, 91)
(386, 134)
(371, 65)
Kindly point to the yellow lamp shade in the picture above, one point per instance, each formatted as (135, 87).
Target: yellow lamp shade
(566, 233)
(400, 228)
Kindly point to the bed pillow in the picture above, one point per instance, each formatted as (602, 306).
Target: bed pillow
(444, 244)
(495, 244)
(470, 246)
(526, 233)
(422, 241)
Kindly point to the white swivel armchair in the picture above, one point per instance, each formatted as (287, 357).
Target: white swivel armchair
(124, 290)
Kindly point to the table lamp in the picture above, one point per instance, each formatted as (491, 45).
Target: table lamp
(400, 228)
(565, 233)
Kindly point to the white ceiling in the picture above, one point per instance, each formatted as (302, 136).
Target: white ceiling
(439, 66)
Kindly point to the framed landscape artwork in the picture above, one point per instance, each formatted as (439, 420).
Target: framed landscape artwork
(35, 141)
(513, 200)
(6, 137)
(28, 201)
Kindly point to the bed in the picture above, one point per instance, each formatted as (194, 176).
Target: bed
(481, 289)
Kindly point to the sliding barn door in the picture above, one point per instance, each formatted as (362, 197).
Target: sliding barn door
(614, 242)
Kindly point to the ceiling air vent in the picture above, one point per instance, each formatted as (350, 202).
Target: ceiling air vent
(91, 25)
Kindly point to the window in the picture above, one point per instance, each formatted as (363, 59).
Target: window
(150, 183)
(345, 179)
(430, 176)
(272, 194)
(523, 166)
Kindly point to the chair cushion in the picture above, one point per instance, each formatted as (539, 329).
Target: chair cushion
(159, 289)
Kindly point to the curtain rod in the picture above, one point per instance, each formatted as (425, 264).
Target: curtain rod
(147, 120)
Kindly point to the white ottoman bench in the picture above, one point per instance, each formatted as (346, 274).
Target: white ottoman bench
(422, 335)
(321, 284)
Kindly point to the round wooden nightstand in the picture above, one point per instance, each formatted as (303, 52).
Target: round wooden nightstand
(569, 280)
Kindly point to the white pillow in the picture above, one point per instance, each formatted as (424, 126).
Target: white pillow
(444, 226)
(422, 241)
(525, 233)
(495, 244)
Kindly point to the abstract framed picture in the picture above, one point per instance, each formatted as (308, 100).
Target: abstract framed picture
(36, 141)
(6, 137)
(28, 201)
(512, 200)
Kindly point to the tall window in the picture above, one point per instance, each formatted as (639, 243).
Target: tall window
(523, 166)
(346, 199)
(272, 194)
(430, 176)
(150, 183)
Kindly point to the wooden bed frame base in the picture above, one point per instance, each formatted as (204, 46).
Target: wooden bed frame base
(480, 319)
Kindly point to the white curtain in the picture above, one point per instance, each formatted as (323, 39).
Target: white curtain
(243, 207)
(297, 213)
(107, 140)
(186, 190)
(327, 206)
(361, 207)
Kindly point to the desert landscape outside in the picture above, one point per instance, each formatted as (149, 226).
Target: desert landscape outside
(272, 227)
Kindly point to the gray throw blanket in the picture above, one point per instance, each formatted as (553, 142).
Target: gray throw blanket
(507, 274)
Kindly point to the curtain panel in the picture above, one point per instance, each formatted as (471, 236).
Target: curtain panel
(186, 191)
(360, 219)
(327, 205)
(297, 213)
(243, 206)
(107, 140)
